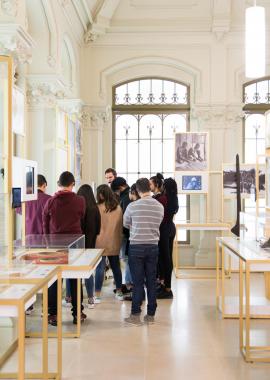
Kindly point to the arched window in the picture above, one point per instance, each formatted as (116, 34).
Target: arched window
(256, 97)
(147, 113)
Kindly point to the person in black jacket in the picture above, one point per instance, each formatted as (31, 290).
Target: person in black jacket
(120, 187)
(91, 228)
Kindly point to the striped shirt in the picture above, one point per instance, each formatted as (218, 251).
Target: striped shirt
(143, 218)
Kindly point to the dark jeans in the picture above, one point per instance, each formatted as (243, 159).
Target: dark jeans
(142, 261)
(116, 269)
(165, 259)
(52, 297)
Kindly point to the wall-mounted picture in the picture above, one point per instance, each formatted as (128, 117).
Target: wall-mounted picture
(247, 180)
(267, 130)
(192, 182)
(191, 151)
(267, 174)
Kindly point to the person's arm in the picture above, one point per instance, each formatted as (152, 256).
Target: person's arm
(98, 221)
(127, 221)
(46, 218)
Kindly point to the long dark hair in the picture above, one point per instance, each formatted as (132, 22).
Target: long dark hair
(86, 191)
(106, 196)
(170, 188)
(158, 180)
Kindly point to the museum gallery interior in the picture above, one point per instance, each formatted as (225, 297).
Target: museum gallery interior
(135, 189)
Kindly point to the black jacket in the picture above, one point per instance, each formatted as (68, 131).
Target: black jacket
(91, 226)
(124, 202)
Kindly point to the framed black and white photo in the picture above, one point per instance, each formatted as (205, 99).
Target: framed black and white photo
(191, 151)
(247, 180)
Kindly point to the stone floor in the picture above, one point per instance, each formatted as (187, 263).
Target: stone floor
(189, 341)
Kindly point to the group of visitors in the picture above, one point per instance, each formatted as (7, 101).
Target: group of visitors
(126, 222)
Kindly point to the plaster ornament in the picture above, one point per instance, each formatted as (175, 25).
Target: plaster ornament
(10, 7)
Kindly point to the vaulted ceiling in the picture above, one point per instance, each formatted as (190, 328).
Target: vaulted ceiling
(98, 17)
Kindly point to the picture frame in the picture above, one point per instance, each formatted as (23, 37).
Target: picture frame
(191, 151)
(192, 182)
(248, 181)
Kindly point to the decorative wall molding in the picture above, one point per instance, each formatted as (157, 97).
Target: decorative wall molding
(218, 116)
(9, 7)
(191, 71)
(44, 90)
(95, 118)
(15, 41)
(53, 33)
(73, 107)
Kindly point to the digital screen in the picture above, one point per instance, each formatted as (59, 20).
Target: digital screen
(16, 197)
(191, 182)
(30, 179)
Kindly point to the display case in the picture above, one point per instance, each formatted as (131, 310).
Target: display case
(58, 249)
(254, 228)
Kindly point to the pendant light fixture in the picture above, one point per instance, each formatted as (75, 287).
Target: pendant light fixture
(255, 41)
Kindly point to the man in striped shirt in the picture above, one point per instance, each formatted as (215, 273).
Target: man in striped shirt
(143, 218)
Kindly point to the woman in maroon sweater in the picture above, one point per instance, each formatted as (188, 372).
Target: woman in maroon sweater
(63, 214)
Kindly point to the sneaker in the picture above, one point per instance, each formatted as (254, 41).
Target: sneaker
(83, 317)
(149, 319)
(124, 289)
(52, 320)
(29, 310)
(66, 302)
(119, 296)
(164, 294)
(91, 303)
(97, 300)
(134, 319)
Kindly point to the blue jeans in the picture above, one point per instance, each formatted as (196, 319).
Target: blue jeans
(143, 260)
(89, 286)
(116, 269)
(68, 291)
(124, 257)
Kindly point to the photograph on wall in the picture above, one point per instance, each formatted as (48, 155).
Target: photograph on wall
(191, 151)
(267, 175)
(247, 181)
(267, 130)
(192, 182)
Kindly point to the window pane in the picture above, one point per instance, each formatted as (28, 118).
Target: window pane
(156, 90)
(144, 156)
(150, 126)
(126, 126)
(133, 90)
(169, 91)
(120, 94)
(145, 90)
(255, 123)
(133, 165)
(262, 89)
(120, 156)
(249, 93)
(156, 156)
(174, 123)
(168, 155)
(132, 178)
(181, 92)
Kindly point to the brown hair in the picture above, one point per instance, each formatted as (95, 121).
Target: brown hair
(106, 196)
(111, 170)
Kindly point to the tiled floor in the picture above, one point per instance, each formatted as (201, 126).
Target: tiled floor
(189, 341)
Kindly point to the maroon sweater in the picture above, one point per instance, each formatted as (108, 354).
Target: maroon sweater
(63, 213)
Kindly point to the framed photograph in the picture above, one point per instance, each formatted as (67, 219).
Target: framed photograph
(247, 180)
(267, 181)
(267, 130)
(192, 182)
(191, 151)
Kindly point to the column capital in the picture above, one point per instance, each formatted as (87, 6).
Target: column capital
(44, 90)
(95, 118)
(16, 42)
(73, 107)
(218, 116)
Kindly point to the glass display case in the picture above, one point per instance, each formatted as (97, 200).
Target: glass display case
(254, 228)
(58, 249)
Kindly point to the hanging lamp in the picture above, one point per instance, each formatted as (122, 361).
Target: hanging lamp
(255, 41)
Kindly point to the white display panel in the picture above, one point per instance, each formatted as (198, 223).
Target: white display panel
(24, 175)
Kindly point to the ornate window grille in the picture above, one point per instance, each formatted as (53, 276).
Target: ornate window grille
(256, 97)
(147, 113)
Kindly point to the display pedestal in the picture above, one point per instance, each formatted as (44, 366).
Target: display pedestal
(205, 256)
